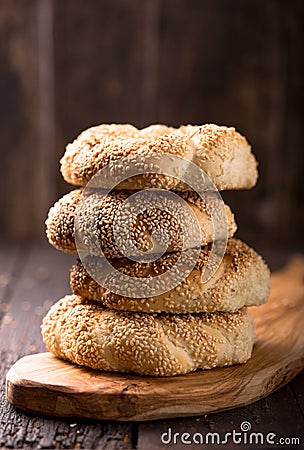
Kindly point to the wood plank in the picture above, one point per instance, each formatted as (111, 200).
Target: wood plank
(43, 383)
(99, 52)
(42, 281)
(21, 165)
(291, 217)
(8, 267)
(152, 61)
(46, 161)
(151, 49)
(244, 70)
(278, 413)
(297, 386)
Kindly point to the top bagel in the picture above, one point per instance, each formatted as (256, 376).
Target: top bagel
(221, 152)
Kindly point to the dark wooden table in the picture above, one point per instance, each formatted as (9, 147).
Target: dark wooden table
(32, 277)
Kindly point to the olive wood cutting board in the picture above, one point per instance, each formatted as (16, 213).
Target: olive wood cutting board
(43, 384)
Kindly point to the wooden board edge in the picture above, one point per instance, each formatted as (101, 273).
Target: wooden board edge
(55, 403)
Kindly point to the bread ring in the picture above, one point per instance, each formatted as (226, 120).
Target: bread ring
(242, 280)
(220, 151)
(60, 222)
(86, 333)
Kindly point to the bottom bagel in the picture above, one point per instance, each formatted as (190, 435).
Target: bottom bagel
(84, 332)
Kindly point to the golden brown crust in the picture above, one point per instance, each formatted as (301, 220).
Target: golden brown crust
(220, 151)
(242, 280)
(60, 221)
(155, 130)
(225, 155)
(85, 157)
(86, 333)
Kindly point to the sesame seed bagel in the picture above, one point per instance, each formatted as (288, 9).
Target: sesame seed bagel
(222, 152)
(86, 333)
(242, 279)
(101, 212)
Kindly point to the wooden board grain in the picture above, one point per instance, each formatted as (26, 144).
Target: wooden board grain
(43, 384)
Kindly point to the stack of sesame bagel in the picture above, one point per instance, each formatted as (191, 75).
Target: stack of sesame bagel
(192, 325)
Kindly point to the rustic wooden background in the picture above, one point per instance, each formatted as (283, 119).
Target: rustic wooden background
(69, 64)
